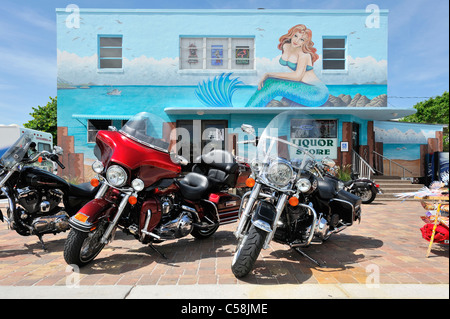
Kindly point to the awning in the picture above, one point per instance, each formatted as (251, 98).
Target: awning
(101, 116)
(367, 113)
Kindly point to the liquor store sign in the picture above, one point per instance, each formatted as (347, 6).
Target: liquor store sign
(319, 147)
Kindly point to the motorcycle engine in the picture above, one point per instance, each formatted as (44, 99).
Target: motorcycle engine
(35, 201)
(39, 212)
(176, 222)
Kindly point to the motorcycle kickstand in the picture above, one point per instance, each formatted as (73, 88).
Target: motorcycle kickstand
(297, 249)
(160, 253)
(42, 242)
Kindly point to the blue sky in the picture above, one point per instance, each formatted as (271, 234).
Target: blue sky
(418, 61)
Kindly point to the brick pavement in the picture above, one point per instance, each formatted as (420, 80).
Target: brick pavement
(386, 245)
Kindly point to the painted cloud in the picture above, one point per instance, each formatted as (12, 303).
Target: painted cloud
(74, 70)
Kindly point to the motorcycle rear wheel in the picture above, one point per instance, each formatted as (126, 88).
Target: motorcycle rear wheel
(81, 247)
(247, 251)
(368, 196)
(203, 233)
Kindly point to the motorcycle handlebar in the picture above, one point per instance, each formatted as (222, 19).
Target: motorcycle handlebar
(55, 159)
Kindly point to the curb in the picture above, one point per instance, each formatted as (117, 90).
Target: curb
(247, 291)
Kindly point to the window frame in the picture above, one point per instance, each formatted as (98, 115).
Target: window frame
(229, 43)
(100, 47)
(345, 49)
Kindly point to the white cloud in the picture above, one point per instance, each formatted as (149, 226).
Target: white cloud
(28, 65)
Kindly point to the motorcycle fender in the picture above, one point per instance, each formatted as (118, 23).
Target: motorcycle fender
(88, 216)
(263, 216)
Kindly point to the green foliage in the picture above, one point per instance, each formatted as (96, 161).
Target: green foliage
(432, 111)
(344, 173)
(44, 118)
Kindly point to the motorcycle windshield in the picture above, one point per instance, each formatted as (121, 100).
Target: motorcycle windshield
(282, 139)
(147, 129)
(16, 152)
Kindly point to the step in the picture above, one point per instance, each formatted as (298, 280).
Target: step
(386, 177)
(393, 181)
(401, 186)
(391, 195)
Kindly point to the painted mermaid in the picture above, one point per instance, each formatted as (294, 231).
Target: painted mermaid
(299, 85)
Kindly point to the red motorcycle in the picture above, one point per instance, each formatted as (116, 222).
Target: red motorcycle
(143, 193)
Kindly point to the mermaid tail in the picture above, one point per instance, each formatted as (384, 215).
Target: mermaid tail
(299, 92)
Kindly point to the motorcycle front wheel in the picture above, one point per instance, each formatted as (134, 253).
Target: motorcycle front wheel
(247, 251)
(81, 247)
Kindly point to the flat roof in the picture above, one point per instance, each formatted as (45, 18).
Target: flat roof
(233, 11)
(367, 113)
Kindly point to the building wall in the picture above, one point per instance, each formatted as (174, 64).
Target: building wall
(151, 78)
(154, 74)
(406, 144)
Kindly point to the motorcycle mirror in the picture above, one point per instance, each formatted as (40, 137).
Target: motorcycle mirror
(58, 150)
(179, 159)
(247, 128)
(328, 162)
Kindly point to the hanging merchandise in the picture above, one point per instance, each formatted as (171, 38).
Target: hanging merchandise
(192, 58)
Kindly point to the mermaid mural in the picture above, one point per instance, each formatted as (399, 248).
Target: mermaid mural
(300, 84)
(298, 87)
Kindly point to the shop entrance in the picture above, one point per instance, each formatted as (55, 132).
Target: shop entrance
(204, 136)
(355, 137)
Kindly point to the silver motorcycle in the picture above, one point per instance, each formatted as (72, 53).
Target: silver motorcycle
(291, 202)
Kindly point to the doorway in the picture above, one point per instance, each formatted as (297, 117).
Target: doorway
(204, 136)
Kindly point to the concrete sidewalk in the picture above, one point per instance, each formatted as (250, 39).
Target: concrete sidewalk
(252, 291)
(385, 249)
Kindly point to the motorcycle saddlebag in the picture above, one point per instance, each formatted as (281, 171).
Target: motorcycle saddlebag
(347, 205)
(227, 206)
(361, 185)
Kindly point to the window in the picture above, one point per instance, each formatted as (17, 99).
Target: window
(215, 53)
(110, 52)
(313, 128)
(44, 147)
(96, 125)
(334, 53)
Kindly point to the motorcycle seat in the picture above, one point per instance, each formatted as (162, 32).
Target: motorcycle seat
(82, 190)
(219, 159)
(220, 167)
(193, 186)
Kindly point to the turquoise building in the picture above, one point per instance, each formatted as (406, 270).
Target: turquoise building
(200, 70)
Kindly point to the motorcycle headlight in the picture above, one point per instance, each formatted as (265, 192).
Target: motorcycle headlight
(137, 184)
(116, 175)
(97, 167)
(280, 174)
(303, 185)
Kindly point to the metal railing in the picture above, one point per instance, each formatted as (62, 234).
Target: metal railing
(361, 167)
(379, 159)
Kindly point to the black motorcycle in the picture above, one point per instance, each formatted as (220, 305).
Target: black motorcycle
(39, 201)
(290, 202)
(364, 188)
